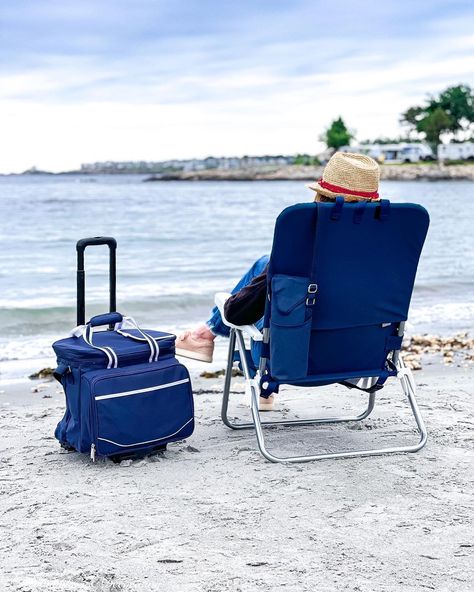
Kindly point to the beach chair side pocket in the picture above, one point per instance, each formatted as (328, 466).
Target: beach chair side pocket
(290, 328)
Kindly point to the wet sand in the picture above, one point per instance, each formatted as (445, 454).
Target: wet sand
(212, 515)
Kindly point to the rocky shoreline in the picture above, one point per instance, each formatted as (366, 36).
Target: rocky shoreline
(456, 349)
(405, 172)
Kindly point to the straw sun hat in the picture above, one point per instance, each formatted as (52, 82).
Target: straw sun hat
(354, 176)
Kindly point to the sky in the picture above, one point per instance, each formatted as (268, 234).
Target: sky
(94, 80)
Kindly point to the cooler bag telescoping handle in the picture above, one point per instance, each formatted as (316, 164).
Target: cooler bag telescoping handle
(81, 274)
(126, 393)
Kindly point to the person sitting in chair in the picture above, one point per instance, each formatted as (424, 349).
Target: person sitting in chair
(355, 177)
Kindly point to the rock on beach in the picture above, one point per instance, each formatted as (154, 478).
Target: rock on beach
(417, 346)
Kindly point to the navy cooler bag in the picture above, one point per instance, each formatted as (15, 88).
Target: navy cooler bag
(126, 393)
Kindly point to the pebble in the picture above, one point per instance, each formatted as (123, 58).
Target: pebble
(417, 345)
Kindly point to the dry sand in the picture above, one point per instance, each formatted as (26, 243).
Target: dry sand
(212, 515)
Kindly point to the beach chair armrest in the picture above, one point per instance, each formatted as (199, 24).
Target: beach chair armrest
(251, 330)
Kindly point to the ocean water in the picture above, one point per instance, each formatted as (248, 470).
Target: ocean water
(178, 243)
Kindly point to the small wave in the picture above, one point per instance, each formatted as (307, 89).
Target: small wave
(454, 316)
(166, 293)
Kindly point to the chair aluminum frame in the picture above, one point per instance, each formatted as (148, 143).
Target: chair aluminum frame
(253, 388)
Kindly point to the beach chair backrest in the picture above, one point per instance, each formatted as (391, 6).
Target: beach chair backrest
(340, 279)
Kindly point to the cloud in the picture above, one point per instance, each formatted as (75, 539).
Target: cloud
(91, 80)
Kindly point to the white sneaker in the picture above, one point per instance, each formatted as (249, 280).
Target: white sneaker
(196, 348)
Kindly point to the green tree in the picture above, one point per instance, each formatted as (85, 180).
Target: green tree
(411, 117)
(458, 102)
(434, 124)
(306, 160)
(451, 111)
(337, 134)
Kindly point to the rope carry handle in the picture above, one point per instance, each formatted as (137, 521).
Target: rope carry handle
(87, 332)
(130, 322)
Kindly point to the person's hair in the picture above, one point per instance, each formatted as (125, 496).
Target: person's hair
(321, 197)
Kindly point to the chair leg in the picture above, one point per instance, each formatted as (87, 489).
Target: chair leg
(228, 380)
(407, 383)
(408, 386)
(249, 425)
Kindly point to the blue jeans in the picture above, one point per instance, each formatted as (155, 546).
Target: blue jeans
(215, 323)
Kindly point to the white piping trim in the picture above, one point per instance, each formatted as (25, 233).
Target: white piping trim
(146, 441)
(143, 390)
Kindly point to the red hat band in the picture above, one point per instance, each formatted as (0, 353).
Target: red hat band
(337, 189)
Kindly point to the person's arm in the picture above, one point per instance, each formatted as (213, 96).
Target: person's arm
(247, 306)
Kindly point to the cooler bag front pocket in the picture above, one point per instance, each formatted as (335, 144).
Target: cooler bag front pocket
(142, 409)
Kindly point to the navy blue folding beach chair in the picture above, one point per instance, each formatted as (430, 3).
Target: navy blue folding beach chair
(340, 281)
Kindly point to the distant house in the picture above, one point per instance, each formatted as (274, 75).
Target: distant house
(461, 151)
(193, 164)
(393, 153)
(211, 163)
(323, 157)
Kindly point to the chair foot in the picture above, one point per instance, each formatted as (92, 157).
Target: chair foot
(406, 381)
(408, 387)
(300, 422)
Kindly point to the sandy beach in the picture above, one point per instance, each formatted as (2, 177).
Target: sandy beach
(195, 148)
(212, 515)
